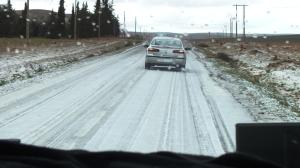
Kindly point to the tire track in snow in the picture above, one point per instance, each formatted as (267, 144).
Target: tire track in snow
(59, 88)
(224, 136)
(205, 144)
(124, 111)
(97, 102)
(57, 128)
(129, 136)
(165, 133)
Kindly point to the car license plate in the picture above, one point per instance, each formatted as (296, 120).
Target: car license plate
(165, 60)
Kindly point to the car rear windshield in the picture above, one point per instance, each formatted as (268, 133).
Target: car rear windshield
(167, 43)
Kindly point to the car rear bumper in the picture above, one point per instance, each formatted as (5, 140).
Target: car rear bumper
(165, 61)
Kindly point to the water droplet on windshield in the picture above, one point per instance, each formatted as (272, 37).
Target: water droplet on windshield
(265, 37)
(78, 43)
(79, 19)
(28, 20)
(108, 22)
(287, 42)
(17, 51)
(88, 17)
(7, 16)
(93, 23)
(238, 39)
(21, 37)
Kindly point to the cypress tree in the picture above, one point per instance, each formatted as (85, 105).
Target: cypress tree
(96, 15)
(51, 26)
(60, 24)
(71, 23)
(8, 20)
(22, 22)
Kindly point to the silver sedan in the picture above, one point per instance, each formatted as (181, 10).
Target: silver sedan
(165, 51)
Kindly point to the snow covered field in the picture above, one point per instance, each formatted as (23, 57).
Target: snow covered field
(113, 103)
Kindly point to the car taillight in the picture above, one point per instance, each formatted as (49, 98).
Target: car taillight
(179, 51)
(153, 50)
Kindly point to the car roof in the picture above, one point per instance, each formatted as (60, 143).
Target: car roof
(163, 37)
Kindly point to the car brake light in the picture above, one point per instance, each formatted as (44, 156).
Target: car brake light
(179, 51)
(153, 50)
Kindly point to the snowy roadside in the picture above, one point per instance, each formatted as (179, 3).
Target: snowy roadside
(19, 64)
(267, 84)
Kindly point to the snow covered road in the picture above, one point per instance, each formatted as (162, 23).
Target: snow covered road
(113, 103)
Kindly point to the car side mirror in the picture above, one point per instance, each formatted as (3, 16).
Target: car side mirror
(146, 45)
(187, 48)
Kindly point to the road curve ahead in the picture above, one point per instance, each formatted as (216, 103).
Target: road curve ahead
(113, 103)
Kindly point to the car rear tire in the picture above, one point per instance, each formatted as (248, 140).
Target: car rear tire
(147, 66)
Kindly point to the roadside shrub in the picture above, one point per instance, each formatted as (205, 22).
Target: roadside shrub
(223, 56)
(203, 45)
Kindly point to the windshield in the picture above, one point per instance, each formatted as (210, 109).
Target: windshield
(167, 43)
(146, 76)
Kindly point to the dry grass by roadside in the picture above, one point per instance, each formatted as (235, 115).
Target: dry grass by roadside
(11, 44)
(24, 62)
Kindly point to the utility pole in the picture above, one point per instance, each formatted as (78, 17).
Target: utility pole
(226, 32)
(236, 21)
(75, 21)
(231, 27)
(27, 21)
(135, 26)
(124, 24)
(244, 20)
(99, 19)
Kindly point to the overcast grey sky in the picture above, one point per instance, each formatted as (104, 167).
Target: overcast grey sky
(186, 16)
